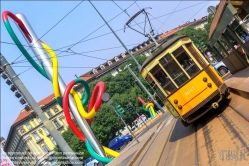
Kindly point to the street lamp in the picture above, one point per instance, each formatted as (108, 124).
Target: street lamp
(27, 107)
(4, 76)
(13, 88)
(22, 101)
(18, 95)
(1, 70)
(8, 82)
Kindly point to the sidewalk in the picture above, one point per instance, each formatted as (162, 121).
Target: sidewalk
(148, 123)
(239, 82)
(134, 149)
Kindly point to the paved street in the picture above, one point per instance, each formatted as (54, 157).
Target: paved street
(218, 138)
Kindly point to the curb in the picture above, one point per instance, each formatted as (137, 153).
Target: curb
(133, 160)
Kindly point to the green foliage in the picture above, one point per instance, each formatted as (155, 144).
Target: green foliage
(75, 144)
(106, 124)
(200, 37)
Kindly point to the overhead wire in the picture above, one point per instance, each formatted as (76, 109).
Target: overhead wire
(91, 34)
(170, 15)
(135, 24)
(199, 10)
(99, 27)
(58, 66)
(51, 28)
(127, 13)
(131, 25)
(31, 67)
(74, 53)
(148, 13)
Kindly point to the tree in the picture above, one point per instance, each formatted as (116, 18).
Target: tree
(106, 124)
(75, 144)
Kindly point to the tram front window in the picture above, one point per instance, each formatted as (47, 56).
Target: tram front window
(187, 63)
(154, 86)
(174, 70)
(163, 79)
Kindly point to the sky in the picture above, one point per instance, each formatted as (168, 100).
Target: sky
(80, 24)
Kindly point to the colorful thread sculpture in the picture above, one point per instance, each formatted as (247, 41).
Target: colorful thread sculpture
(63, 100)
(149, 107)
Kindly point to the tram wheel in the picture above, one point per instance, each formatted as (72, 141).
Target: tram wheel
(185, 124)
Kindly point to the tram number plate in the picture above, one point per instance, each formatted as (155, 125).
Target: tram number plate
(190, 91)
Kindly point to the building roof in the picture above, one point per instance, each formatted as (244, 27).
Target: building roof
(89, 75)
(23, 114)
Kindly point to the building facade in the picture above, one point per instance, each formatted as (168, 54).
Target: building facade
(28, 139)
(3, 142)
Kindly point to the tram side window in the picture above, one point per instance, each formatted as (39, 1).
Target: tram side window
(163, 79)
(174, 70)
(195, 54)
(153, 85)
(187, 63)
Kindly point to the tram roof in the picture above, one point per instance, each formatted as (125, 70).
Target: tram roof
(160, 49)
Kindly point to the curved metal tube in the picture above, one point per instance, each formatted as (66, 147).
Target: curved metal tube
(42, 56)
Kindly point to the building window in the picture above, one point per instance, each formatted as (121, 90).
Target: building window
(36, 136)
(116, 59)
(46, 130)
(55, 109)
(57, 124)
(109, 63)
(102, 67)
(29, 126)
(123, 55)
(22, 131)
(49, 114)
(45, 148)
(54, 142)
(94, 71)
(39, 120)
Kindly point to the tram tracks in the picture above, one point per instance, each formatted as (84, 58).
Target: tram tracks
(224, 137)
(221, 137)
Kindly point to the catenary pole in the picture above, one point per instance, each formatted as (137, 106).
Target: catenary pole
(134, 59)
(67, 151)
(138, 65)
(145, 90)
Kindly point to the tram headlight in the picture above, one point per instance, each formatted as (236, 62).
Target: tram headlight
(175, 101)
(209, 85)
(205, 79)
(180, 107)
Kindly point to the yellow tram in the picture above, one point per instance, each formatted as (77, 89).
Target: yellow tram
(180, 75)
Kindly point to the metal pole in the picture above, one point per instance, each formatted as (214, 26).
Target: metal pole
(223, 48)
(124, 123)
(139, 116)
(142, 120)
(43, 56)
(232, 32)
(145, 90)
(234, 50)
(218, 53)
(134, 59)
(35, 107)
(241, 23)
(153, 39)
